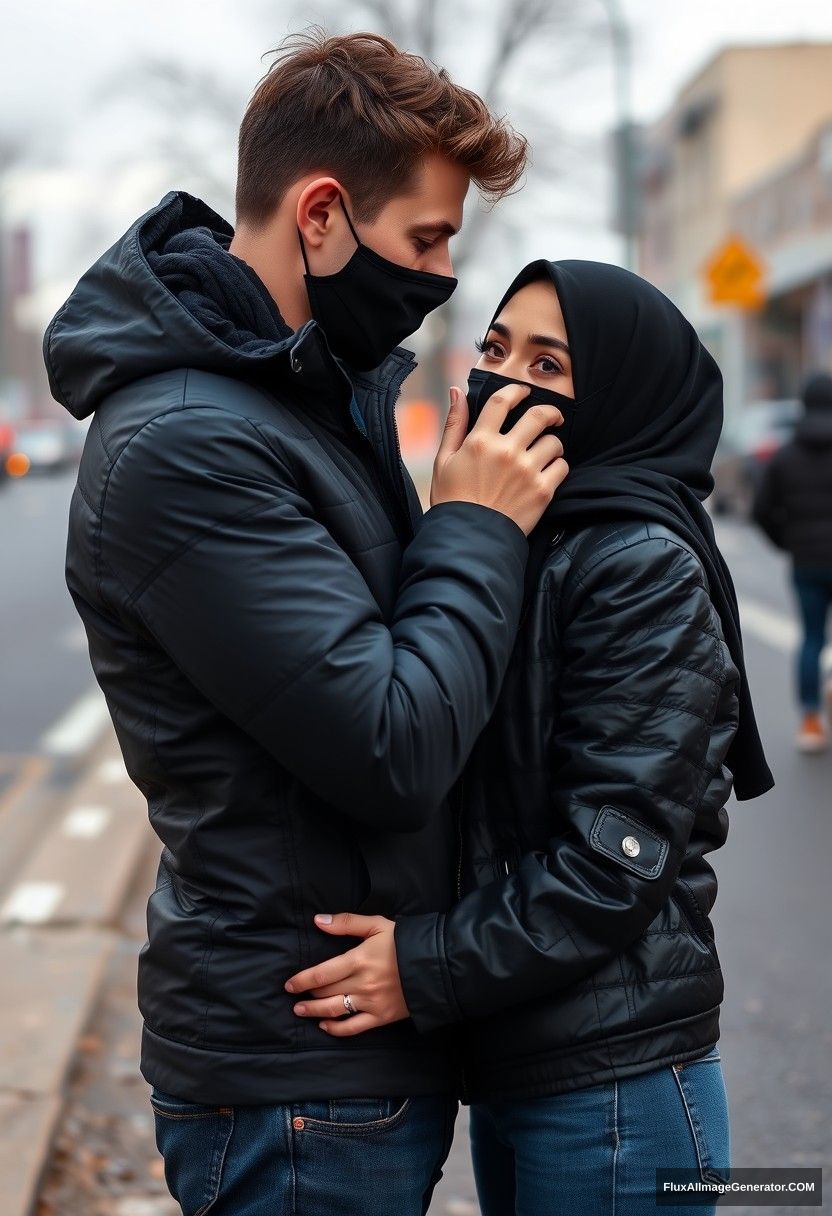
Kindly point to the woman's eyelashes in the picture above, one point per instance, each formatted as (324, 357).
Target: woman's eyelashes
(493, 349)
(543, 365)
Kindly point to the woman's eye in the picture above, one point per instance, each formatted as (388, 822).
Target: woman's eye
(493, 349)
(549, 365)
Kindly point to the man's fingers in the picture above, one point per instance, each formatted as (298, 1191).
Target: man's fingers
(456, 425)
(535, 420)
(555, 474)
(343, 1028)
(545, 450)
(494, 412)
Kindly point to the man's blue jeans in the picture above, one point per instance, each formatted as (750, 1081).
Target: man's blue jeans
(813, 588)
(345, 1157)
(596, 1150)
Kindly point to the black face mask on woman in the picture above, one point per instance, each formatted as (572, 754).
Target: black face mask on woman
(482, 385)
(369, 305)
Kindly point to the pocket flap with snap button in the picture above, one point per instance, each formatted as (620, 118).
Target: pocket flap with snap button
(635, 847)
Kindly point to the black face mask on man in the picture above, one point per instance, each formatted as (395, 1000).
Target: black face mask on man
(482, 385)
(368, 306)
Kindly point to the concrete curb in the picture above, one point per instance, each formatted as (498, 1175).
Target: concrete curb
(58, 927)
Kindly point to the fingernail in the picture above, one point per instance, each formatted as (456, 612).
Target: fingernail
(323, 918)
(289, 986)
(300, 1009)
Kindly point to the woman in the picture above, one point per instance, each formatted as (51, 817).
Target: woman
(580, 954)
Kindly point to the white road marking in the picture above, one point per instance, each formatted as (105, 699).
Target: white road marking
(774, 628)
(110, 772)
(78, 727)
(85, 822)
(32, 903)
(74, 638)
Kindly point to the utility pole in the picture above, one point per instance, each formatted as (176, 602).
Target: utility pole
(620, 44)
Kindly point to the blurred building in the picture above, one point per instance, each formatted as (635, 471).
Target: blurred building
(746, 150)
(23, 390)
(787, 216)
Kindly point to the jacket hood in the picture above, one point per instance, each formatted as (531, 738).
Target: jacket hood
(814, 430)
(817, 391)
(122, 322)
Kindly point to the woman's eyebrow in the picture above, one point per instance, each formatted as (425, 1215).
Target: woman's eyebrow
(543, 340)
(534, 339)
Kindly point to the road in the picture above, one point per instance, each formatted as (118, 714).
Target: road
(43, 651)
(770, 917)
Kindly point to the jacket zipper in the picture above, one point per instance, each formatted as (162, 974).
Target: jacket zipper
(393, 451)
(462, 1080)
(459, 839)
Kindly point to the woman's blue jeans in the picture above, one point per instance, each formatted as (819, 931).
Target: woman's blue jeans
(813, 588)
(345, 1157)
(596, 1150)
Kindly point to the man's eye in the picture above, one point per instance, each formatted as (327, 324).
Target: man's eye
(422, 245)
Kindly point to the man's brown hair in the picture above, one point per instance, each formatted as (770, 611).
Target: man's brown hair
(359, 108)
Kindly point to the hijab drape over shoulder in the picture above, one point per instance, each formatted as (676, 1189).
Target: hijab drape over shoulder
(642, 448)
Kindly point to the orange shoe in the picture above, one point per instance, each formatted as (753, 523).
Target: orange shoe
(812, 736)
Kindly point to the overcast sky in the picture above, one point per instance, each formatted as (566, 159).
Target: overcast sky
(62, 61)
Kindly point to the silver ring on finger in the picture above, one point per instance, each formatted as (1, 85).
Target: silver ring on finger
(348, 1005)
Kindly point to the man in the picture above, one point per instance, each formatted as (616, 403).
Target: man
(296, 663)
(793, 506)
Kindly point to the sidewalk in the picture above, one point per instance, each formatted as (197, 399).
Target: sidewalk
(58, 915)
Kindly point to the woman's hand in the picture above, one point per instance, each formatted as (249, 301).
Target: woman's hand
(369, 974)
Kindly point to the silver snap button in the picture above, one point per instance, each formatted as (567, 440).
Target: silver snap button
(631, 846)
(296, 364)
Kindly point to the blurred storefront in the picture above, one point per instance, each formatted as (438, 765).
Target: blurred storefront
(788, 218)
(745, 153)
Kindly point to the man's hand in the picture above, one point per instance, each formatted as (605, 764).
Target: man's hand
(516, 473)
(369, 974)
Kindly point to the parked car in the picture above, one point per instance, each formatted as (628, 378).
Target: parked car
(47, 444)
(6, 449)
(747, 445)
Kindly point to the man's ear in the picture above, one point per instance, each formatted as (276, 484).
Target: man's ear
(318, 209)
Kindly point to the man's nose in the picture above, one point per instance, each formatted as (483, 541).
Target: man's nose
(442, 263)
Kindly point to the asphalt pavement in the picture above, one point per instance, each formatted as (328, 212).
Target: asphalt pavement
(771, 915)
(48, 688)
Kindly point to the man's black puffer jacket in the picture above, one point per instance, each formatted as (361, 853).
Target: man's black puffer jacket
(295, 678)
(581, 950)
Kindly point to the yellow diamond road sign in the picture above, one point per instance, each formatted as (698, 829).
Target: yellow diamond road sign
(735, 275)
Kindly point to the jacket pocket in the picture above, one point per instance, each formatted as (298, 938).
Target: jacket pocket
(697, 925)
(193, 1139)
(504, 861)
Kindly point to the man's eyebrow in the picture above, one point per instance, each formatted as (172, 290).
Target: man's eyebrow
(534, 339)
(443, 226)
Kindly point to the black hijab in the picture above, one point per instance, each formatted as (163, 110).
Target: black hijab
(643, 446)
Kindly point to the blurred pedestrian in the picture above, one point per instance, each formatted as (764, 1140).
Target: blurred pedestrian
(793, 506)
